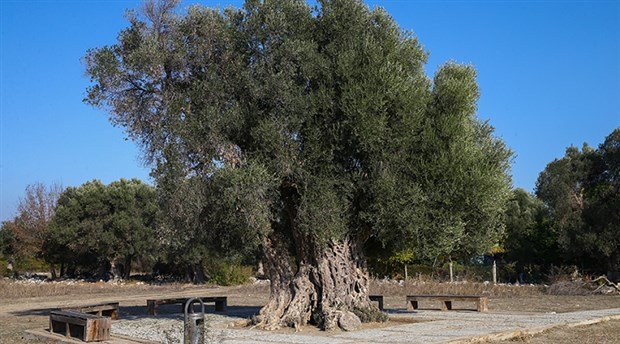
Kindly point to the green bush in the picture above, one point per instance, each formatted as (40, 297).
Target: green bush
(4, 272)
(223, 272)
(30, 264)
(21, 265)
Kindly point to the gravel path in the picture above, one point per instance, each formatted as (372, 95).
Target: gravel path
(435, 327)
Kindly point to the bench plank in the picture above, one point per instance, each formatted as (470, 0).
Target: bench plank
(152, 304)
(446, 301)
(108, 309)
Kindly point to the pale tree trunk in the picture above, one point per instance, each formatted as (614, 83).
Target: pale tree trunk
(114, 271)
(329, 288)
(260, 270)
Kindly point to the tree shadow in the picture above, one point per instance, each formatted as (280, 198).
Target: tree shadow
(163, 312)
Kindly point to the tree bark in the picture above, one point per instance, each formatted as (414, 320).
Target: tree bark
(329, 281)
(52, 272)
(114, 271)
(199, 273)
(127, 268)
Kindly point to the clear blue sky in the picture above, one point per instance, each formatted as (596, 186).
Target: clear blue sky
(549, 72)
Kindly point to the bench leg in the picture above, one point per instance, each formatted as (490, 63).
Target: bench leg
(111, 313)
(482, 305)
(220, 306)
(57, 327)
(412, 305)
(151, 305)
(446, 305)
(381, 304)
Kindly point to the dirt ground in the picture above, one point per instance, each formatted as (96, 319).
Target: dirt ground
(31, 310)
(605, 332)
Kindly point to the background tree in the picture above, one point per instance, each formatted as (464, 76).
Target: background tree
(531, 239)
(31, 226)
(602, 210)
(7, 241)
(105, 226)
(581, 191)
(303, 133)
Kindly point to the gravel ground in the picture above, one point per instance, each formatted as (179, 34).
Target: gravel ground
(434, 327)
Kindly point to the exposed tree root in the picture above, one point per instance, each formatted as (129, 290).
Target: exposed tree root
(331, 292)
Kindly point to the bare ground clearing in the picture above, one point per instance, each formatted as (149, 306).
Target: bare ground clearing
(30, 311)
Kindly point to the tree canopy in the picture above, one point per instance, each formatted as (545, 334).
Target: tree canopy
(531, 237)
(96, 225)
(303, 132)
(582, 193)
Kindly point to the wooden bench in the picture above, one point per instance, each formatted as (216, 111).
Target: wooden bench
(86, 327)
(220, 303)
(378, 299)
(108, 309)
(482, 302)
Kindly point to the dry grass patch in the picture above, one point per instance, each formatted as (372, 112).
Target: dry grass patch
(413, 287)
(19, 289)
(603, 332)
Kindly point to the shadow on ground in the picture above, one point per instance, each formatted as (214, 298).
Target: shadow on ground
(163, 311)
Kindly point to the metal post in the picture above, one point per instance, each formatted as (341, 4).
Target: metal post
(451, 275)
(194, 325)
(494, 272)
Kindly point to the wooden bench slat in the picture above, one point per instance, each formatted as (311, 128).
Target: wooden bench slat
(74, 314)
(108, 309)
(68, 319)
(152, 304)
(446, 301)
(448, 296)
(98, 307)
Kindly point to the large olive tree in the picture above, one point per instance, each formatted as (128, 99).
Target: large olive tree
(303, 133)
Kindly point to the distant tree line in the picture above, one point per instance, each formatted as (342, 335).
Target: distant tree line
(573, 218)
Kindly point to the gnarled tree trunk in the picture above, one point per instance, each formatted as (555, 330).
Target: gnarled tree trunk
(328, 287)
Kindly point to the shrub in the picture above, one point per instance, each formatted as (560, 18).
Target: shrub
(223, 272)
(4, 272)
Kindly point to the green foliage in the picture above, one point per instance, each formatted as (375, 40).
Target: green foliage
(7, 241)
(227, 272)
(306, 125)
(96, 224)
(582, 193)
(531, 239)
(4, 271)
(30, 264)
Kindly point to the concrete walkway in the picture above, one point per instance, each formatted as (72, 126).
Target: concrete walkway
(434, 327)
